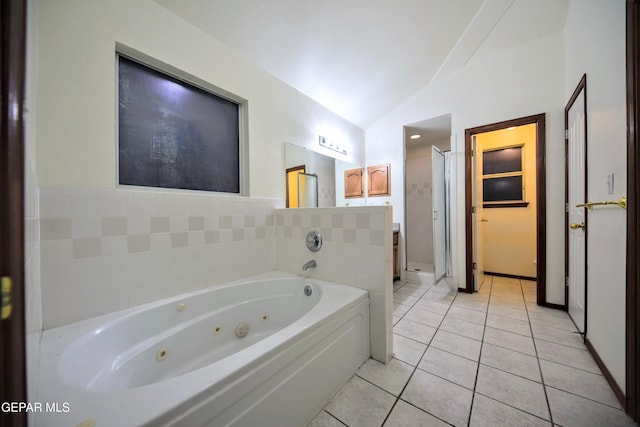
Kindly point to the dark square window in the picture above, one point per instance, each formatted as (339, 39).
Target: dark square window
(507, 188)
(174, 134)
(502, 161)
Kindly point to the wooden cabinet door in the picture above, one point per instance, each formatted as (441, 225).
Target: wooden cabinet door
(379, 183)
(353, 183)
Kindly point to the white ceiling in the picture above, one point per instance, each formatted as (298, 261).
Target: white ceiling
(362, 58)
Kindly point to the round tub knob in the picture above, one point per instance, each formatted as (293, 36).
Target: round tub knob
(314, 241)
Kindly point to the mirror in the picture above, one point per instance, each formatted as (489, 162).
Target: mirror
(329, 178)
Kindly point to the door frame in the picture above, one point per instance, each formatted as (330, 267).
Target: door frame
(632, 351)
(12, 330)
(541, 201)
(581, 88)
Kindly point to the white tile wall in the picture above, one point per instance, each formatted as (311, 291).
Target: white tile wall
(104, 250)
(357, 250)
(419, 210)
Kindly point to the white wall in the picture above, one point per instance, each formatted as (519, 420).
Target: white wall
(595, 45)
(511, 84)
(77, 92)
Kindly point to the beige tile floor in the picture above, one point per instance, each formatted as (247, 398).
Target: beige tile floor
(493, 358)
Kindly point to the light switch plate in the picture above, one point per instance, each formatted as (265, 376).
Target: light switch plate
(610, 183)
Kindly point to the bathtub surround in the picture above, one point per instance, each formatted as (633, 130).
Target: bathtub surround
(357, 250)
(104, 250)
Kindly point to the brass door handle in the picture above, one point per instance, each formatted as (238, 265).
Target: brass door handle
(622, 202)
(7, 284)
(575, 226)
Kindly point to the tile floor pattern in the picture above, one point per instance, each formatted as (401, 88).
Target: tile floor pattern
(492, 358)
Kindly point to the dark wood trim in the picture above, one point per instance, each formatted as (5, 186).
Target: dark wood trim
(552, 305)
(468, 205)
(541, 207)
(12, 82)
(512, 276)
(632, 380)
(605, 371)
(505, 205)
(581, 88)
(541, 199)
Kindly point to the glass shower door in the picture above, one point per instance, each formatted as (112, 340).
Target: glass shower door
(307, 190)
(439, 214)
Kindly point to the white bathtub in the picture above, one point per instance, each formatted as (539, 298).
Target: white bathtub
(179, 361)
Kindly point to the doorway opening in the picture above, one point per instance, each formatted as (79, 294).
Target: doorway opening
(505, 181)
(292, 185)
(427, 149)
(302, 188)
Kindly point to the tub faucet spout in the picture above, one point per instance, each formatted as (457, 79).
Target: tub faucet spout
(309, 264)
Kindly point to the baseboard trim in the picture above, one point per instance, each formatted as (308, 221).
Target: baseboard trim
(552, 305)
(512, 276)
(614, 385)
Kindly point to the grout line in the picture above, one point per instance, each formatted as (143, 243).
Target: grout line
(415, 368)
(475, 383)
(333, 416)
(515, 407)
(586, 398)
(419, 409)
(544, 388)
(573, 367)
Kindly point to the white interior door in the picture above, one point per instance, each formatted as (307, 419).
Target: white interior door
(439, 214)
(577, 216)
(477, 216)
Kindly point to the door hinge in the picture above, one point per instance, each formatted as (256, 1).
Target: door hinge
(474, 266)
(566, 134)
(566, 281)
(566, 207)
(7, 284)
(473, 209)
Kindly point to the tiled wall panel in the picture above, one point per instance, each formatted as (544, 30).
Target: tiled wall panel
(357, 250)
(104, 250)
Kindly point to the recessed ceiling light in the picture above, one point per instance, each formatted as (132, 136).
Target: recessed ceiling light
(416, 136)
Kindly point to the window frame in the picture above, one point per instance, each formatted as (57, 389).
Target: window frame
(521, 173)
(189, 79)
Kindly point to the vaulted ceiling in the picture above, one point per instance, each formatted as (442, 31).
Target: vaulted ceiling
(362, 58)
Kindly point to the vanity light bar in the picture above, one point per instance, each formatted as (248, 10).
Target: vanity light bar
(327, 143)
